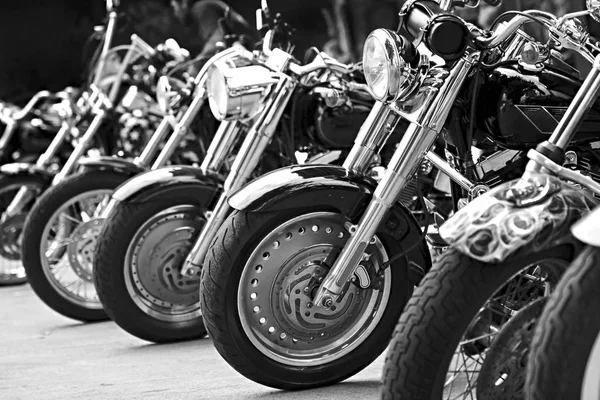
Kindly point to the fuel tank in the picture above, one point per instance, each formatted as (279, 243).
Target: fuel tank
(519, 109)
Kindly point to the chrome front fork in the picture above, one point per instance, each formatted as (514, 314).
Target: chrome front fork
(81, 147)
(180, 129)
(258, 138)
(371, 138)
(151, 147)
(26, 194)
(417, 140)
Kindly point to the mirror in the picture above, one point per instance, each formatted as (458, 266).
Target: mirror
(593, 7)
(173, 48)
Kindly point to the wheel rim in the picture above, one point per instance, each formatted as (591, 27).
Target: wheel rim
(11, 230)
(67, 247)
(281, 277)
(471, 374)
(153, 265)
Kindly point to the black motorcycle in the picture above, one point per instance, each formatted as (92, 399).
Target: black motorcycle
(467, 331)
(277, 110)
(60, 233)
(305, 281)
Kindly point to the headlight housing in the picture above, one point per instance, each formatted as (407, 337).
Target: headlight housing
(237, 93)
(390, 64)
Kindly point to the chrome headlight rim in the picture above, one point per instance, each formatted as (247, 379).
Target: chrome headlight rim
(403, 62)
(237, 93)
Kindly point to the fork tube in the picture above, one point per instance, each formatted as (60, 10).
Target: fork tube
(180, 129)
(372, 136)
(258, 138)
(52, 149)
(417, 140)
(110, 29)
(81, 147)
(152, 146)
(567, 127)
(220, 146)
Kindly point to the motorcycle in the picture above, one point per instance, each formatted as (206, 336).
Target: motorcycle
(276, 109)
(306, 279)
(61, 230)
(468, 328)
(20, 181)
(565, 350)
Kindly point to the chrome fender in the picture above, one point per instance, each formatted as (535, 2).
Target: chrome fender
(104, 163)
(331, 187)
(587, 230)
(26, 169)
(144, 186)
(537, 211)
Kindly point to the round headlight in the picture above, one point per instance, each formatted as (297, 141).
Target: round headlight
(237, 92)
(390, 64)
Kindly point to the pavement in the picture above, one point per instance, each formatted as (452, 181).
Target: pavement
(44, 355)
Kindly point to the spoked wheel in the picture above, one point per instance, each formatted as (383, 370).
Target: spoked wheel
(258, 283)
(138, 263)
(467, 331)
(11, 228)
(59, 240)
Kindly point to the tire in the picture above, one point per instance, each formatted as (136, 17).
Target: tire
(47, 288)
(566, 333)
(441, 310)
(122, 296)
(11, 270)
(222, 275)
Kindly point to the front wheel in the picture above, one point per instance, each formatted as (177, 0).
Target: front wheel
(138, 262)
(466, 332)
(59, 237)
(562, 362)
(11, 228)
(258, 280)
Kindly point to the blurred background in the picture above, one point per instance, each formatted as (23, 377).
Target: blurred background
(42, 42)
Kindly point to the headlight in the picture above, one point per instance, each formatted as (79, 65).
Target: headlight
(390, 64)
(237, 93)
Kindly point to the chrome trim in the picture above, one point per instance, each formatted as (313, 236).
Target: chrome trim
(153, 144)
(372, 136)
(417, 140)
(443, 166)
(221, 146)
(246, 161)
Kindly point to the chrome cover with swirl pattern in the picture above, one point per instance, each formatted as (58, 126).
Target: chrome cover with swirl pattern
(536, 211)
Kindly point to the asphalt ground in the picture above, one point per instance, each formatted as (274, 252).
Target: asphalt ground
(44, 355)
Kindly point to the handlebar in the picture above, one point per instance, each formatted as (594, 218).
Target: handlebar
(503, 32)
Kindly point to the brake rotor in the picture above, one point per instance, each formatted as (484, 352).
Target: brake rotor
(502, 376)
(155, 258)
(82, 247)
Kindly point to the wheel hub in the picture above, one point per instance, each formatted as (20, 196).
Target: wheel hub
(502, 376)
(10, 236)
(158, 253)
(82, 247)
(277, 288)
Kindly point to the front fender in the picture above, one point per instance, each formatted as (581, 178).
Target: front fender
(536, 211)
(13, 169)
(146, 185)
(104, 163)
(333, 187)
(587, 230)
